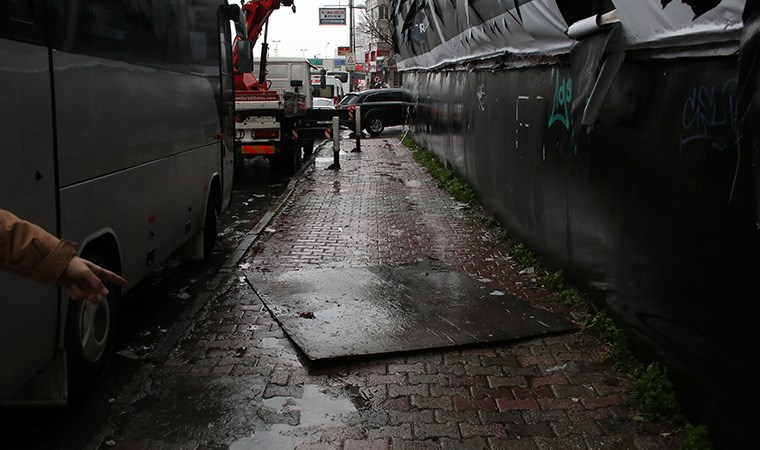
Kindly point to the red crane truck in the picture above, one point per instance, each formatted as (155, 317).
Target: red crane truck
(274, 121)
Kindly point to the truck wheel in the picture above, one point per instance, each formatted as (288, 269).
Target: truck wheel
(308, 149)
(375, 125)
(238, 167)
(89, 337)
(285, 162)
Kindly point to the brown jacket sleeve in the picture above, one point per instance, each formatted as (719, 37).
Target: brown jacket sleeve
(30, 251)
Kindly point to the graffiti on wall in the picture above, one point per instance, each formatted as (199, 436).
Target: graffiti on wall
(709, 116)
(563, 96)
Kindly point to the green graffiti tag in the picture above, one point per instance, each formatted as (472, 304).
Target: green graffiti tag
(563, 95)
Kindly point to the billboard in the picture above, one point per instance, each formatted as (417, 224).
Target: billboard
(332, 16)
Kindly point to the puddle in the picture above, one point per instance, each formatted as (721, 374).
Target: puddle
(317, 412)
(413, 183)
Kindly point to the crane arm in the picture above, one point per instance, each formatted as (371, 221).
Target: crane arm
(257, 13)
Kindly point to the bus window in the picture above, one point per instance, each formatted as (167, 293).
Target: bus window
(134, 32)
(341, 75)
(22, 20)
(327, 91)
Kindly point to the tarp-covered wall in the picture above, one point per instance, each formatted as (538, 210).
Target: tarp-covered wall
(438, 33)
(628, 157)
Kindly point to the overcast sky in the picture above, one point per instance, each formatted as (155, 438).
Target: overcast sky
(301, 30)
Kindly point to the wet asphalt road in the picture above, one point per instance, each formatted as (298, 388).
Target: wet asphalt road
(146, 315)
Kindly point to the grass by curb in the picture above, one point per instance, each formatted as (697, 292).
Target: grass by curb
(652, 392)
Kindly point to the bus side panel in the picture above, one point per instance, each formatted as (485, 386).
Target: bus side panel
(28, 309)
(120, 115)
(137, 204)
(123, 143)
(192, 186)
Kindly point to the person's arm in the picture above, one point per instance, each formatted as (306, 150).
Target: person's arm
(30, 251)
(84, 280)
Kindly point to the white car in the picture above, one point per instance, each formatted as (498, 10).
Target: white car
(323, 103)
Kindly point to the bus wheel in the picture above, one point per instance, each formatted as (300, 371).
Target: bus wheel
(89, 338)
(209, 231)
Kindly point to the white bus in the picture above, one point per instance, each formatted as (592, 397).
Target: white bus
(116, 120)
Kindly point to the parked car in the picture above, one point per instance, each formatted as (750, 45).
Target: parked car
(380, 108)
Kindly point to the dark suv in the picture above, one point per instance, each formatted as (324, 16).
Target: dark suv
(380, 108)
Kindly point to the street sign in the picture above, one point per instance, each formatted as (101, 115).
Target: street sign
(350, 62)
(332, 16)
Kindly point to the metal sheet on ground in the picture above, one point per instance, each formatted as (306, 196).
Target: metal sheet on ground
(331, 313)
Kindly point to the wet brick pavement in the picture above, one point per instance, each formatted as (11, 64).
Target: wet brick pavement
(233, 379)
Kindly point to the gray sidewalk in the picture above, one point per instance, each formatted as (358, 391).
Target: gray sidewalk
(234, 379)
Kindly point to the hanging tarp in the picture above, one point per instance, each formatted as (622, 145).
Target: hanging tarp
(437, 33)
(434, 33)
(659, 23)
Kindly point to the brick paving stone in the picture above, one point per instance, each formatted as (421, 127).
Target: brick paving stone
(469, 430)
(398, 390)
(440, 403)
(442, 391)
(483, 404)
(560, 443)
(476, 443)
(443, 416)
(419, 445)
(402, 431)
(400, 417)
(512, 444)
(435, 430)
(509, 381)
(505, 404)
(274, 390)
(436, 378)
(530, 430)
(589, 428)
(376, 444)
(513, 417)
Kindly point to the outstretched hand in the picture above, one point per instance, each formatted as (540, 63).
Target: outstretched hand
(84, 280)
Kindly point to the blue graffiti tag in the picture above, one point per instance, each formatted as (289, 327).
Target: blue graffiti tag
(708, 116)
(563, 95)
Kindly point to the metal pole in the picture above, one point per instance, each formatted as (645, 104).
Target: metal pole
(358, 128)
(351, 26)
(336, 143)
(352, 44)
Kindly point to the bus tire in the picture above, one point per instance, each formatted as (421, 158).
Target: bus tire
(90, 331)
(209, 230)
